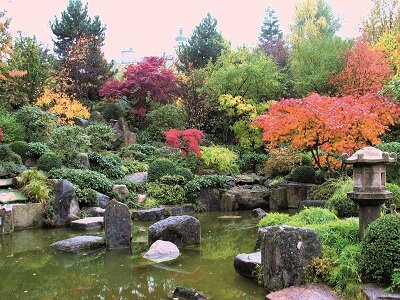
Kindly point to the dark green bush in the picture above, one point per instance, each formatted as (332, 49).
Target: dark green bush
(251, 161)
(37, 123)
(159, 168)
(11, 169)
(7, 155)
(37, 149)
(68, 141)
(193, 187)
(164, 118)
(101, 136)
(21, 148)
(12, 129)
(392, 170)
(339, 202)
(173, 180)
(303, 174)
(395, 189)
(165, 193)
(185, 172)
(113, 111)
(140, 152)
(380, 254)
(49, 161)
(130, 166)
(84, 179)
(107, 165)
(86, 197)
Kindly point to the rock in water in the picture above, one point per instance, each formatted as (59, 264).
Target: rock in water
(247, 264)
(78, 243)
(118, 225)
(152, 214)
(258, 213)
(162, 251)
(65, 202)
(308, 292)
(180, 230)
(181, 293)
(285, 252)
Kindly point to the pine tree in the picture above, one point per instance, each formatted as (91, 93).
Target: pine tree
(205, 44)
(78, 45)
(271, 38)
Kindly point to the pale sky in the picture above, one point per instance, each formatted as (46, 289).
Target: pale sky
(150, 26)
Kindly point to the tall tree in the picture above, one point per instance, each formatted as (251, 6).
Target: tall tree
(313, 18)
(78, 45)
(29, 55)
(384, 16)
(205, 44)
(271, 38)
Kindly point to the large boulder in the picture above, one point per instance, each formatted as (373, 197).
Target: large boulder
(102, 200)
(290, 195)
(180, 230)
(121, 190)
(162, 251)
(123, 134)
(79, 243)
(247, 264)
(65, 203)
(245, 179)
(285, 252)
(94, 211)
(228, 202)
(118, 225)
(152, 214)
(210, 198)
(308, 292)
(250, 196)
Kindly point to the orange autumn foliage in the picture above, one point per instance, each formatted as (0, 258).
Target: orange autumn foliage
(63, 105)
(328, 126)
(366, 70)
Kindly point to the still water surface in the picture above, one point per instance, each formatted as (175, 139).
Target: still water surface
(29, 270)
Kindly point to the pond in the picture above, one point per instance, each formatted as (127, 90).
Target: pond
(29, 270)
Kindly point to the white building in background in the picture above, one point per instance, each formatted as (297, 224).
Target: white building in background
(180, 40)
(127, 56)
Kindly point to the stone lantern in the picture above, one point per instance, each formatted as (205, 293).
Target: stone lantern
(369, 175)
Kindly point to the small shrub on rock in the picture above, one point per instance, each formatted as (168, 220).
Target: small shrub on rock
(193, 187)
(7, 155)
(251, 161)
(86, 197)
(21, 148)
(101, 136)
(130, 166)
(68, 141)
(303, 174)
(37, 149)
(166, 194)
(49, 161)
(281, 162)
(35, 186)
(185, 172)
(379, 249)
(107, 165)
(159, 168)
(221, 159)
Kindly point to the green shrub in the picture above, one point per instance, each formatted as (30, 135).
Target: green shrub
(393, 169)
(159, 168)
(395, 189)
(164, 118)
(113, 111)
(395, 280)
(21, 148)
(303, 174)
(315, 215)
(251, 161)
(281, 162)
(140, 152)
(49, 161)
(185, 172)
(12, 129)
(221, 159)
(150, 203)
(48, 212)
(166, 194)
(272, 219)
(68, 141)
(35, 186)
(193, 187)
(7, 155)
(37, 123)
(101, 136)
(173, 180)
(327, 189)
(37, 149)
(380, 254)
(86, 197)
(340, 203)
(131, 185)
(130, 166)
(84, 179)
(107, 165)
(11, 169)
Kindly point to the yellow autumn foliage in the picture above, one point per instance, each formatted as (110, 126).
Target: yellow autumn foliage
(63, 105)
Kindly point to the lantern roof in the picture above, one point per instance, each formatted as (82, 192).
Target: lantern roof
(368, 155)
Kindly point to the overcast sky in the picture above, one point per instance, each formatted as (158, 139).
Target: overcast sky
(150, 26)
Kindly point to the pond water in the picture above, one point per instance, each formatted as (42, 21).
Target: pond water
(29, 270)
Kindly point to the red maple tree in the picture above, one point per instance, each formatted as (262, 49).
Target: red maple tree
(366, 70)
(187, 140)
(328, 126)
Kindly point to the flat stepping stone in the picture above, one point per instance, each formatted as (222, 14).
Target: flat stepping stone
(91, 223)
(247, 264)
(5, 183)
(153, 214)
(11, 196)
(229, 217)
(79, 243)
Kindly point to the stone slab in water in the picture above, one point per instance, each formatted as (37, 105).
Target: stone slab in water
(229, 217)
(91, 223)
(162, 251)
(258, 213)
(247, 264)
(5, 183)
(153, 214)
(308, 292)
(372, 291)
(79, 243)
(118, 225)
(181, 293)
(11, 196)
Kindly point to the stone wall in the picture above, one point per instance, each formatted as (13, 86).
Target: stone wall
(289, 195)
